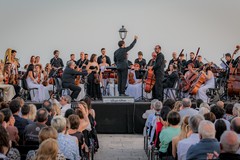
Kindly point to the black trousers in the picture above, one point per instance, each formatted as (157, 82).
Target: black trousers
(75, 89)
(158, 88)
(122, 80)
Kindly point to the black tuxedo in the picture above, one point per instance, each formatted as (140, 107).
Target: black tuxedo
(120, 58)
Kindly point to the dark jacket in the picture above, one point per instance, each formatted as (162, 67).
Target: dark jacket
(159, 65)
(108, 60)
(229, 156)
(171, 79)
(20, 123)
(201, 149)
(69, 75)
(120, 56)
(56, 62)
(142, 63)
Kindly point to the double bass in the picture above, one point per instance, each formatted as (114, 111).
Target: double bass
(233, 83)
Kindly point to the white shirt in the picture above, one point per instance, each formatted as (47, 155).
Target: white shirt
(65, 108)
(185, 144)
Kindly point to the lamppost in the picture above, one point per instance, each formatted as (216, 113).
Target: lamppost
(123, 33)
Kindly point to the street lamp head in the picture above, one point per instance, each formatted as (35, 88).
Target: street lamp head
(123, 33)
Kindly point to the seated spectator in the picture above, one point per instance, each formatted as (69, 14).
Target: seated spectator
(220, 104)
(150, 111)
(32, 112)
(207, 144)
(236, 110)
(229, 112)
(177, 106)
(48, 150)
(82, 111)
(219, 113)
(31, 131)
(88, 101)
(184, 133)
(9, 125)
(186, 108)
(2, 120)
(69, 112)
(203, 110)
(184, 144)
(168, 133)
(210, 117)
(44, 134)
(198, 103)
(169, 103)
(235, 126)
(68, 145)
(6, 151)
(20, 122)
(65, 102)
(48, 106)
(56, 111)
(220, 127)
(151, 115)
(74, 121)
(25, 110)
(229, 145)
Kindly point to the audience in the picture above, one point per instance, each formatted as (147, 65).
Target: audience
(219, 113)
(236, 110)
(32, 112)
(186, 108)
(184, 144)
(220, 104)
(65, 102)
(31, 131)
(207, 144)
(235, 126)
(210, 117)
(228, 112)
(220, 127)
(48, 106)
(25, 110)
(68, 145)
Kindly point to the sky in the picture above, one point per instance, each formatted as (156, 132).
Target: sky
(38, 27)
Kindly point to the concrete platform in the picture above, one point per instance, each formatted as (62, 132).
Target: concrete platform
(120, 147)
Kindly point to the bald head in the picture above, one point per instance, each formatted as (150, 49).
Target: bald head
(186, 102)
(220, 104)
(206, 129)
(229, 142)
(235, 125)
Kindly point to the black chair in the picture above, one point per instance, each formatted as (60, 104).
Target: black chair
(172, 92)
(214, 93)
(60, 90)
(27, 89)
(168, 154)
(23, 150)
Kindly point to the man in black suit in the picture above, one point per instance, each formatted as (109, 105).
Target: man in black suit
(68, 79)
(56, 62)
(120, 59)
(99, 60)
(158, 69)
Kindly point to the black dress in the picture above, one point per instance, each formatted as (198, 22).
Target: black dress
(93, 88)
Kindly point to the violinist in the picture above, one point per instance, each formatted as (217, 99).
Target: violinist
(39, 77)
(174, 58)
(56, 62)
(8, 89)
(108, 60)
(48, 72)
(93, 85)
(199, 59)
(103, 75)
(182, 63)
(140, 60)
(192, 58)
(209, 83)
(72, 58)
(134, 88)
(152, 61)
(172, 76)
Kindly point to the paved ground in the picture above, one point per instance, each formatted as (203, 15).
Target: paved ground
(120, 147)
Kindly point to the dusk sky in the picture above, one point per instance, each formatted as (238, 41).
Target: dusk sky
(39, 27)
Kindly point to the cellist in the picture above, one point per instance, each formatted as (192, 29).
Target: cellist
(209, 83)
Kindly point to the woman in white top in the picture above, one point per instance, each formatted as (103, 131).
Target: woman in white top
(41, 93)
(103, 76)
(210, 83)
(9, 91)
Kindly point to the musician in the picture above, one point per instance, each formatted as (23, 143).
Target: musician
(140, 60)
(9, 91)
(174, 58)
(37, 60)
(82, 62)
(192, 58)
(228, 58)
(182, 63)
(152, 61)
(158, 69)
(72, 58)
(56, 62)
(93, 85)
(68, 79)
(210, 83)
(86, 57)
(172, 76)
(120, 58)
(134, 85)
(199, 59)
(108, 60)
(103, 76)
(39, 75)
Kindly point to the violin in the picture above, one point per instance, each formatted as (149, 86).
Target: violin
(131, 78)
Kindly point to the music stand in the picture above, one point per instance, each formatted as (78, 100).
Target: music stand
(142, 76)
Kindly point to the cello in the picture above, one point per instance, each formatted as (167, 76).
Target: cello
(233, 83)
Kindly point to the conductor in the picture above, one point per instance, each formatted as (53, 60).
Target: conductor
(120, 59)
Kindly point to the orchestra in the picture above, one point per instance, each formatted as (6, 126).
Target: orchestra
(193, 76)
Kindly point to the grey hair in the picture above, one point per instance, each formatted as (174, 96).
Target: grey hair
(69, 63)
(153, 102)
(203, 111)
(158, 105)
(236, 109)
(206, 129)
(186, 102)
(194, 121)
(205, 105)
(59, 123)
(229, 142)
(68, 98)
